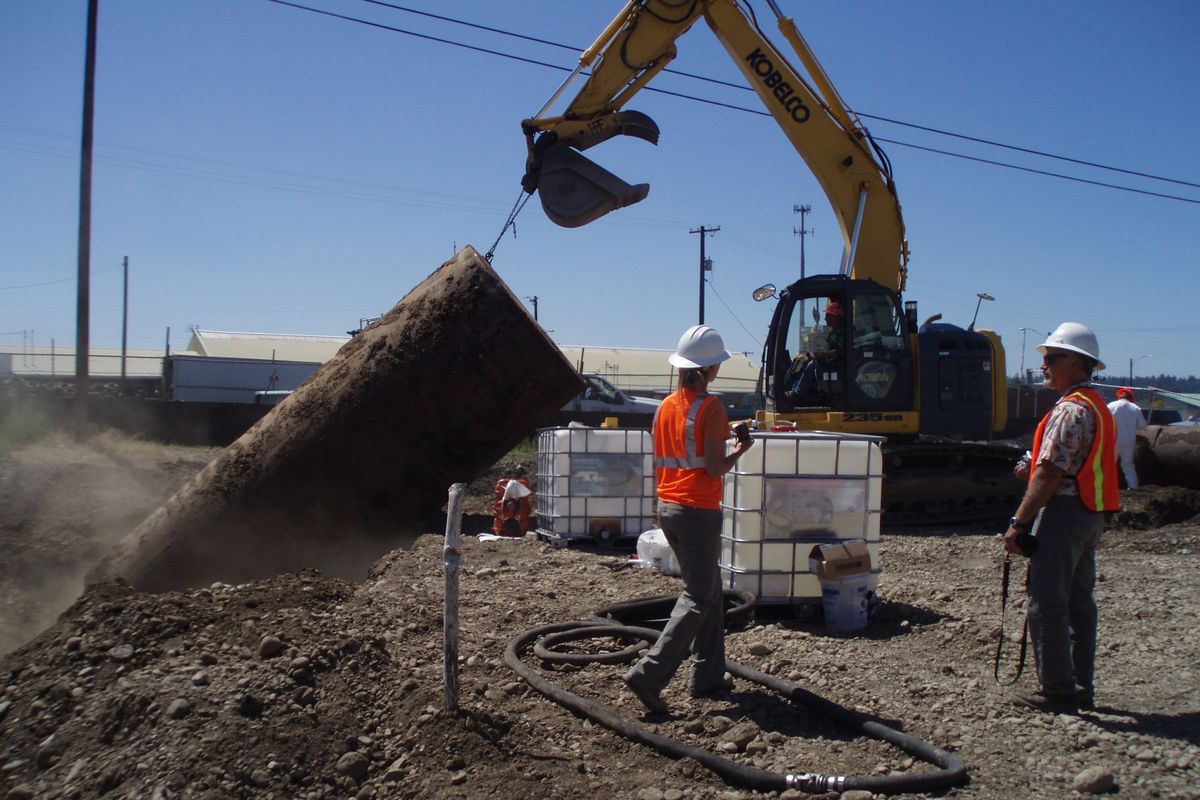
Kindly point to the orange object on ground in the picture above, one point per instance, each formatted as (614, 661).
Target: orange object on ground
(512, 515)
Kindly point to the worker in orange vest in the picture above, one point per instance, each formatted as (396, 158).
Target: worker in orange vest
(690, 432)
(1072, 474)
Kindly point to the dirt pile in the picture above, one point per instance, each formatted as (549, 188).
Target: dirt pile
(304, 686)
(1151, 507)
(372, 438)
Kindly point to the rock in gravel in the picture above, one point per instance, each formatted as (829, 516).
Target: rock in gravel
(249, 706)
(20, 792)
(48, 752)
(1094, 780)
(741, 735)
(121, 652)
(353, 765)
(270, 646)
(179, 709)
(721, 723)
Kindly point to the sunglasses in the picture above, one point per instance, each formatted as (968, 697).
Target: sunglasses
(1050, 358)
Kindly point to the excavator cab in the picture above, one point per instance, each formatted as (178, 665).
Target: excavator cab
(839, 344)
(855, 368)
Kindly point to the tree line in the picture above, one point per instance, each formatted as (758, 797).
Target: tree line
(1169, 383)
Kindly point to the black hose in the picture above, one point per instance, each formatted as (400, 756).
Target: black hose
(542, 647)
(736, 773)
(951, 770)
(655, 611)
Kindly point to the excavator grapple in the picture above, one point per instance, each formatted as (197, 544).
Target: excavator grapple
(575, 190)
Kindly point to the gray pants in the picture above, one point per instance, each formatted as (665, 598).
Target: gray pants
(1062, 609)
(697, 623)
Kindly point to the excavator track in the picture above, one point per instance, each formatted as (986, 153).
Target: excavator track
(936, 483)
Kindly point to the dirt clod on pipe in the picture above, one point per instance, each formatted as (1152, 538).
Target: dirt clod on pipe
(358, 459)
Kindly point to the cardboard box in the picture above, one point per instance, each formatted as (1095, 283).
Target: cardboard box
(840, 560)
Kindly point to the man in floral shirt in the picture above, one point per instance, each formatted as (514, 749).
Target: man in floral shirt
(1072, 478)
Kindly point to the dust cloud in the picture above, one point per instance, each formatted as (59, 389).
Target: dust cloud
(62, 506)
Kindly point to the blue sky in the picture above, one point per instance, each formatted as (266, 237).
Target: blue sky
(266, 168)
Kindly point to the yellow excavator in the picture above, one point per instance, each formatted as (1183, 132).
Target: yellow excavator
(936, 390)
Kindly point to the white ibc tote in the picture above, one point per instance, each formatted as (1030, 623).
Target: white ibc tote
(595, 484)
(790, 492)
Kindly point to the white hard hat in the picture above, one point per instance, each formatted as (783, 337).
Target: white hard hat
(700, 346)
(1076, 337)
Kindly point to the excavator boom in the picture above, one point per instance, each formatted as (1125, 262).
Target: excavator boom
(636, 47)
(935, 390)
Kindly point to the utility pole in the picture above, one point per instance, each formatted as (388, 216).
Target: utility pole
(83, 295)
(124, 321)
(534, 300)
(705, 263)
(803, 211)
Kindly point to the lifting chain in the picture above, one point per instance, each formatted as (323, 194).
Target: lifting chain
(511, 222)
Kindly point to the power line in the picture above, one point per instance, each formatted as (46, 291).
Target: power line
(759, 112)
(717, 294)
(295, 181)
(425, 36)
(51, 283)
(474, 25)
(1038, 171)
(1041, 153)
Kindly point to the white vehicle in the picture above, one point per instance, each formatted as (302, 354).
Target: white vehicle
(602, 396)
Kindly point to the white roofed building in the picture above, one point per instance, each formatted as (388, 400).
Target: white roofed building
(266, 346)
(639, 371)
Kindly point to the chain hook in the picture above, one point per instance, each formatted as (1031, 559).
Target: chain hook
(511, 222)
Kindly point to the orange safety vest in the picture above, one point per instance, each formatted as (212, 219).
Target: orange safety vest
(679, 448)
(1097, 478)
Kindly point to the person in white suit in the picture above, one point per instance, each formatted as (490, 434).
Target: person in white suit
(1130, 420)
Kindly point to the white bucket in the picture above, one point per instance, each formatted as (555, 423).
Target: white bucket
(845, 602)
(654, 550)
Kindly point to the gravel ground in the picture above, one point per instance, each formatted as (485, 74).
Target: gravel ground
(307, 687)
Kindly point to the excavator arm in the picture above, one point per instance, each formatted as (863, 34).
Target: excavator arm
(636, 46)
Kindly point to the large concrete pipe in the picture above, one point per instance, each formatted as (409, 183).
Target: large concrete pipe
(1169, 455)
(357, 460)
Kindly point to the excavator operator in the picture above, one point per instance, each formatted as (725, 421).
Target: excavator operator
(804, 386)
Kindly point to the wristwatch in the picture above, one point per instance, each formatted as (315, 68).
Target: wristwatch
(1013, 522)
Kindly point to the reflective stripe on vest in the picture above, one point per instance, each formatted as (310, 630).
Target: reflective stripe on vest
(1097, 478)
(691, 460)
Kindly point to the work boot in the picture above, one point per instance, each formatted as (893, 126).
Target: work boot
(1086, 699)
(1046, 701)
(650, 699)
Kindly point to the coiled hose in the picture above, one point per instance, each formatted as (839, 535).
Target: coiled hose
(617, 621)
